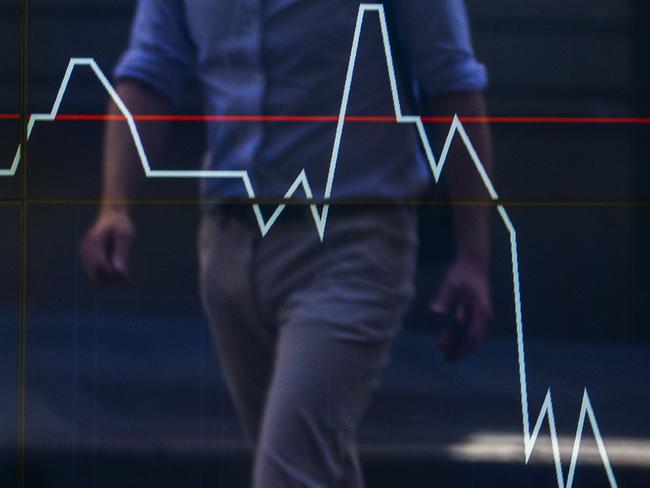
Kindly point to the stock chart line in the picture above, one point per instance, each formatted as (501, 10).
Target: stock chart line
(456, 129)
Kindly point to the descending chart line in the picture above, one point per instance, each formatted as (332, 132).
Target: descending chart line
(456, 129)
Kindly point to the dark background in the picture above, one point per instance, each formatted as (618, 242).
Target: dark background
(122, 384)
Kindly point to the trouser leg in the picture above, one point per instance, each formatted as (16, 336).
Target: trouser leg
(320, 388)
(344, 304)
(244, 344)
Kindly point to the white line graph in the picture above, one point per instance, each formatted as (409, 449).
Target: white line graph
(320, 220)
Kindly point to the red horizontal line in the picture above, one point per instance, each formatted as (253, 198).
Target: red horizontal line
(349, 118)
(230, 118)
(546, 120)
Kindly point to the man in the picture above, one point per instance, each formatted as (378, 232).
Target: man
(303, 327)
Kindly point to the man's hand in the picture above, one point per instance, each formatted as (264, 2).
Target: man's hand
(464, 297)
(105, 247)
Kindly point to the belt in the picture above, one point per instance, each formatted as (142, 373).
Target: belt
(243, 212)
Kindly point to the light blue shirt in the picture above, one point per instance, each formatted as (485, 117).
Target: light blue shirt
(290, 57)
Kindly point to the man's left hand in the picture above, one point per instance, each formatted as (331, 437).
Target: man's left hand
(464, 297)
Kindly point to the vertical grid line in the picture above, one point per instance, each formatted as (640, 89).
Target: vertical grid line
(22, 330)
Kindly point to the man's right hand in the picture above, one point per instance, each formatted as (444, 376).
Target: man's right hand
(105, 247)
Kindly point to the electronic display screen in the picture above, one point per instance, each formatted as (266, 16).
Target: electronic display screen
(300, 243)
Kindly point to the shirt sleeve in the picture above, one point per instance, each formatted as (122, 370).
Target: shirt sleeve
(436, 42)
(160, 52)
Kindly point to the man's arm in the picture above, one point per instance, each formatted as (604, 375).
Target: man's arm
(465, 292)
(105, 247)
